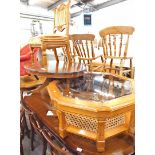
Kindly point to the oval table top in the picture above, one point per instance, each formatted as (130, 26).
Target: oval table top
(58, 70)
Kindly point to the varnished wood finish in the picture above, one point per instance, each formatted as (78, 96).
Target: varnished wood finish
(83, 47)
(23, 129)
(36, 127)
(121, 144)
(53, 42)
(62, 17)
(30, 82)
(56, 149)
(115, 41)
(91, 111)
(55, 69)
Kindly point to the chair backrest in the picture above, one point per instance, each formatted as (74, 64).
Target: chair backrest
(83, 46)
(62, 18)
(61, 26)
(115, 40)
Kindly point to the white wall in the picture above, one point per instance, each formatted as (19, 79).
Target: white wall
(25, 23)
(25, 29)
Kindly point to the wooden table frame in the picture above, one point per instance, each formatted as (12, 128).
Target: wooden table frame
(96, 111)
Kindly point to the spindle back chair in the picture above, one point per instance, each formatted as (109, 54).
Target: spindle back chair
(115, 42)
(83, 46)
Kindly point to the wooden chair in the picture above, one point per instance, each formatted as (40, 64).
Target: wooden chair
(23, 127)
(46, 126)
(56, 148)
(36, 127)
(115, 42)
(60, 37)
(23, 124)
(84, 48)
(73, 144)
(62, 18)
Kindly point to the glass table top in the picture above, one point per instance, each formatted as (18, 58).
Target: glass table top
(96, 87)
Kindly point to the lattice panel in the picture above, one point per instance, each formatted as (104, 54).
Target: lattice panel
(91, 124)
(114, 121)
(82, 122)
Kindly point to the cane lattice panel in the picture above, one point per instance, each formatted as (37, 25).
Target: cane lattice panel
(114, 121)
(82, 122)
(91, 124)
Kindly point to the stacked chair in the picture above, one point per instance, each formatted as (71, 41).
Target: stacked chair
(59, 38)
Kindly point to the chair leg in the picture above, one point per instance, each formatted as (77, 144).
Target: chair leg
(131, 74)
(25, 126)
(24, 117)
(32, 138)
(21, 149)
(51, 150)
(44, 146)
(21, 145)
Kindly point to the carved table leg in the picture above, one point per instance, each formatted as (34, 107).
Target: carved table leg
(47, 81)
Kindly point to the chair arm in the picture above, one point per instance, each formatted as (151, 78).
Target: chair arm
(99, 56)
(113, 57)
(81, 58)
(104, 67)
